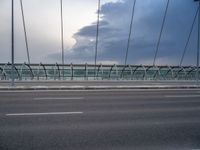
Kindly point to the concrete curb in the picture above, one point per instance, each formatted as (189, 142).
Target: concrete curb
(8, 88)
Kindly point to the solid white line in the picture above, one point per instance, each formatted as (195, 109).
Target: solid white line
(100, 90)
(48, 113)
(181, 96)
(58, 98)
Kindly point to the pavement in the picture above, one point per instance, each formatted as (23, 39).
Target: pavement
(97, 84)
(142, 119)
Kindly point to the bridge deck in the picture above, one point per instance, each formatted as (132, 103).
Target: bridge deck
(100, 85)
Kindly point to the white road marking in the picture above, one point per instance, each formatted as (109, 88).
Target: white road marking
(58, 98)
(181, 96)
(48, 113)
(100, 90)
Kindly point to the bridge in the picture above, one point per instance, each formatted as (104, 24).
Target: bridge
(97, 106)
(61, 71)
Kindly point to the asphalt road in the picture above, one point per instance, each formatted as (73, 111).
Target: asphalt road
(100, 120)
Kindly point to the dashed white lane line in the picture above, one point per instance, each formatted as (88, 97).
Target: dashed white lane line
(47, 113)
(58, 98)
(181, 96)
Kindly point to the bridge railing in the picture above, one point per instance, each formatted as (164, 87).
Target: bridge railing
(102, 72)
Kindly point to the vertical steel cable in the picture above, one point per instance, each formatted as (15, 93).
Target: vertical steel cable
(188, 40)
(130, 32)
(97, 36)
(162, 27)
(62, 34)
(12, 44)
(198, 46)
(25, 33)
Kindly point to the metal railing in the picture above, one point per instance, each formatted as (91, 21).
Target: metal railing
(103, 72)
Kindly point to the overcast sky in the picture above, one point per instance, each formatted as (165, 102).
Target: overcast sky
(43, 30)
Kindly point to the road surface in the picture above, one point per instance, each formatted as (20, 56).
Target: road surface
(100, 120)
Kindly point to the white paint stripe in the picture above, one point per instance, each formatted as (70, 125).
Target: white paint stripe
(181, 96)
(58, 98)
(48, 113)
(100, 90)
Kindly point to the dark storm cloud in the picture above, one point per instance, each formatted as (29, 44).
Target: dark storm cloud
(114, 27)
(90, 31)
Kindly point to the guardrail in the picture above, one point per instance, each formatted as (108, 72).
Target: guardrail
(103, 72)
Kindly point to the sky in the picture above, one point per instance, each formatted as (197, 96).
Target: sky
(43, 31)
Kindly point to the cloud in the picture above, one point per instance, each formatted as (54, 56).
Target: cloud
(114, 28)
(43, 29)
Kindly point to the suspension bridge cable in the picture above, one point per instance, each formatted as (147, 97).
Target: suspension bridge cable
(198, 46)
(188, 40)
(97, 36)
(130, 32)
(12, 44)
(62, 34)
(161, 31)
(25, 33)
